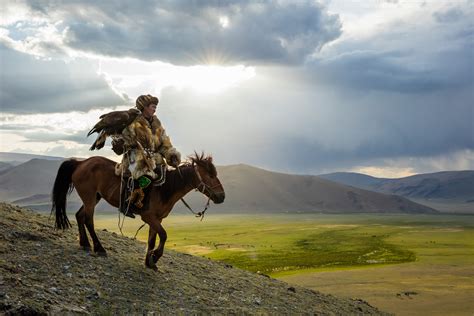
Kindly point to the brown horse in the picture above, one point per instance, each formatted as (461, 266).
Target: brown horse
(95, 178)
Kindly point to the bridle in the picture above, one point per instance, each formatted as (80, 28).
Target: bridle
(203, 188)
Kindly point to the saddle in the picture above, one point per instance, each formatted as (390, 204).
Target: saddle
(135, 195)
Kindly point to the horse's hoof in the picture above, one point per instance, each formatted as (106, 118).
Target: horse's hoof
(102, 253)
(150, 262)
(153, 267)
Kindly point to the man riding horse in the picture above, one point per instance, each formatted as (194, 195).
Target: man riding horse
(139, 135)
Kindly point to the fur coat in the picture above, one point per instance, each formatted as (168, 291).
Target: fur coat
(146, 147)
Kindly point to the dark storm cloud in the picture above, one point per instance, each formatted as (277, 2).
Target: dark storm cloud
(295, 125)
(402, 60)
(415, 130)
(31, 85)
(369, 70)
(448, 16)
(186, 32)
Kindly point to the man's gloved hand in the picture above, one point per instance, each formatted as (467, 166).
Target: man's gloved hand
(118, 145)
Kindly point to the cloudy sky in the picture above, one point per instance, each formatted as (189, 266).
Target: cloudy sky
(309, 87)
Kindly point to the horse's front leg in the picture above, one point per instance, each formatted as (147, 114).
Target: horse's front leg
(154, 255)
(149, 259)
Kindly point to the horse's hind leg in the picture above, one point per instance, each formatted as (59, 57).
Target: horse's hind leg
(81, 221)
(90, 227)
(89, 206)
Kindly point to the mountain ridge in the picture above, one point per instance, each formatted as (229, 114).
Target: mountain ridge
(248, 189)
(443, 190)
(18, 158)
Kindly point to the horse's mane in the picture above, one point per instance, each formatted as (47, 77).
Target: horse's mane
(175, 179)
(205, 162)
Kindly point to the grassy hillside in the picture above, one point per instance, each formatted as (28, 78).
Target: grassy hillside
(282, 243)
(405, 264)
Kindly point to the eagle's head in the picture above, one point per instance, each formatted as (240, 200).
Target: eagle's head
(134, 111)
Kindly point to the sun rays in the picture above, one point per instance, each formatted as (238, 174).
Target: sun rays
(211, 74)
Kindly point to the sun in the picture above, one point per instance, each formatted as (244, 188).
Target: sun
(214, 72)
(215, 79)
(224, 21)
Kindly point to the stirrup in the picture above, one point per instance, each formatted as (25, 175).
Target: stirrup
(123, 203)
(123, 209)
(128, 214)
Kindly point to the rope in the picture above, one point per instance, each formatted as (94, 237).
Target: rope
(162, 179)
(135, 237)
(130, 183)
(198, 214)
(120, 201)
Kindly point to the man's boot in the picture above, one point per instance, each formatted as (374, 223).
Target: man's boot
(125, 207)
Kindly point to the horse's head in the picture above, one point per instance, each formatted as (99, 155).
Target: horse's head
(206, 178)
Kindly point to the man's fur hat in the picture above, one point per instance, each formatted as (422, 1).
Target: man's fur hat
(145, 100)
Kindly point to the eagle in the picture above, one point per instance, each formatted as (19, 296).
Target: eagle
(112, 123)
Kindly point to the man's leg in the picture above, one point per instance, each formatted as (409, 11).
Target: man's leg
(125, 206)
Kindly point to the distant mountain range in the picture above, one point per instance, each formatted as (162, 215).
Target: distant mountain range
(5, 166)
(446, 191)
(14, 159)
(248, 189)
(30, 184)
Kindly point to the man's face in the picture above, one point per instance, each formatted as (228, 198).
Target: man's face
(149, 110)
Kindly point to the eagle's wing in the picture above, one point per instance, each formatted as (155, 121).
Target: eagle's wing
(112, 123)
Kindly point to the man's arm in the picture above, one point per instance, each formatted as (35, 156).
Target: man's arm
(171, 154)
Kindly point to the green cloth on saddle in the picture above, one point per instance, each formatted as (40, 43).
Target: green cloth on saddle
(144, 182)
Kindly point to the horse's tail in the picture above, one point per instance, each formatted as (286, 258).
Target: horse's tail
(62, 187)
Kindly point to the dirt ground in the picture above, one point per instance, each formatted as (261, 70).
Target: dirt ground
(405, 289)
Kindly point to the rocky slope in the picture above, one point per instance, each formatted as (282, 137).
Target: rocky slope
(43, 271)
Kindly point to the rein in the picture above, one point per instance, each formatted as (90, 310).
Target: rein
(197, 188)
(198, 214)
